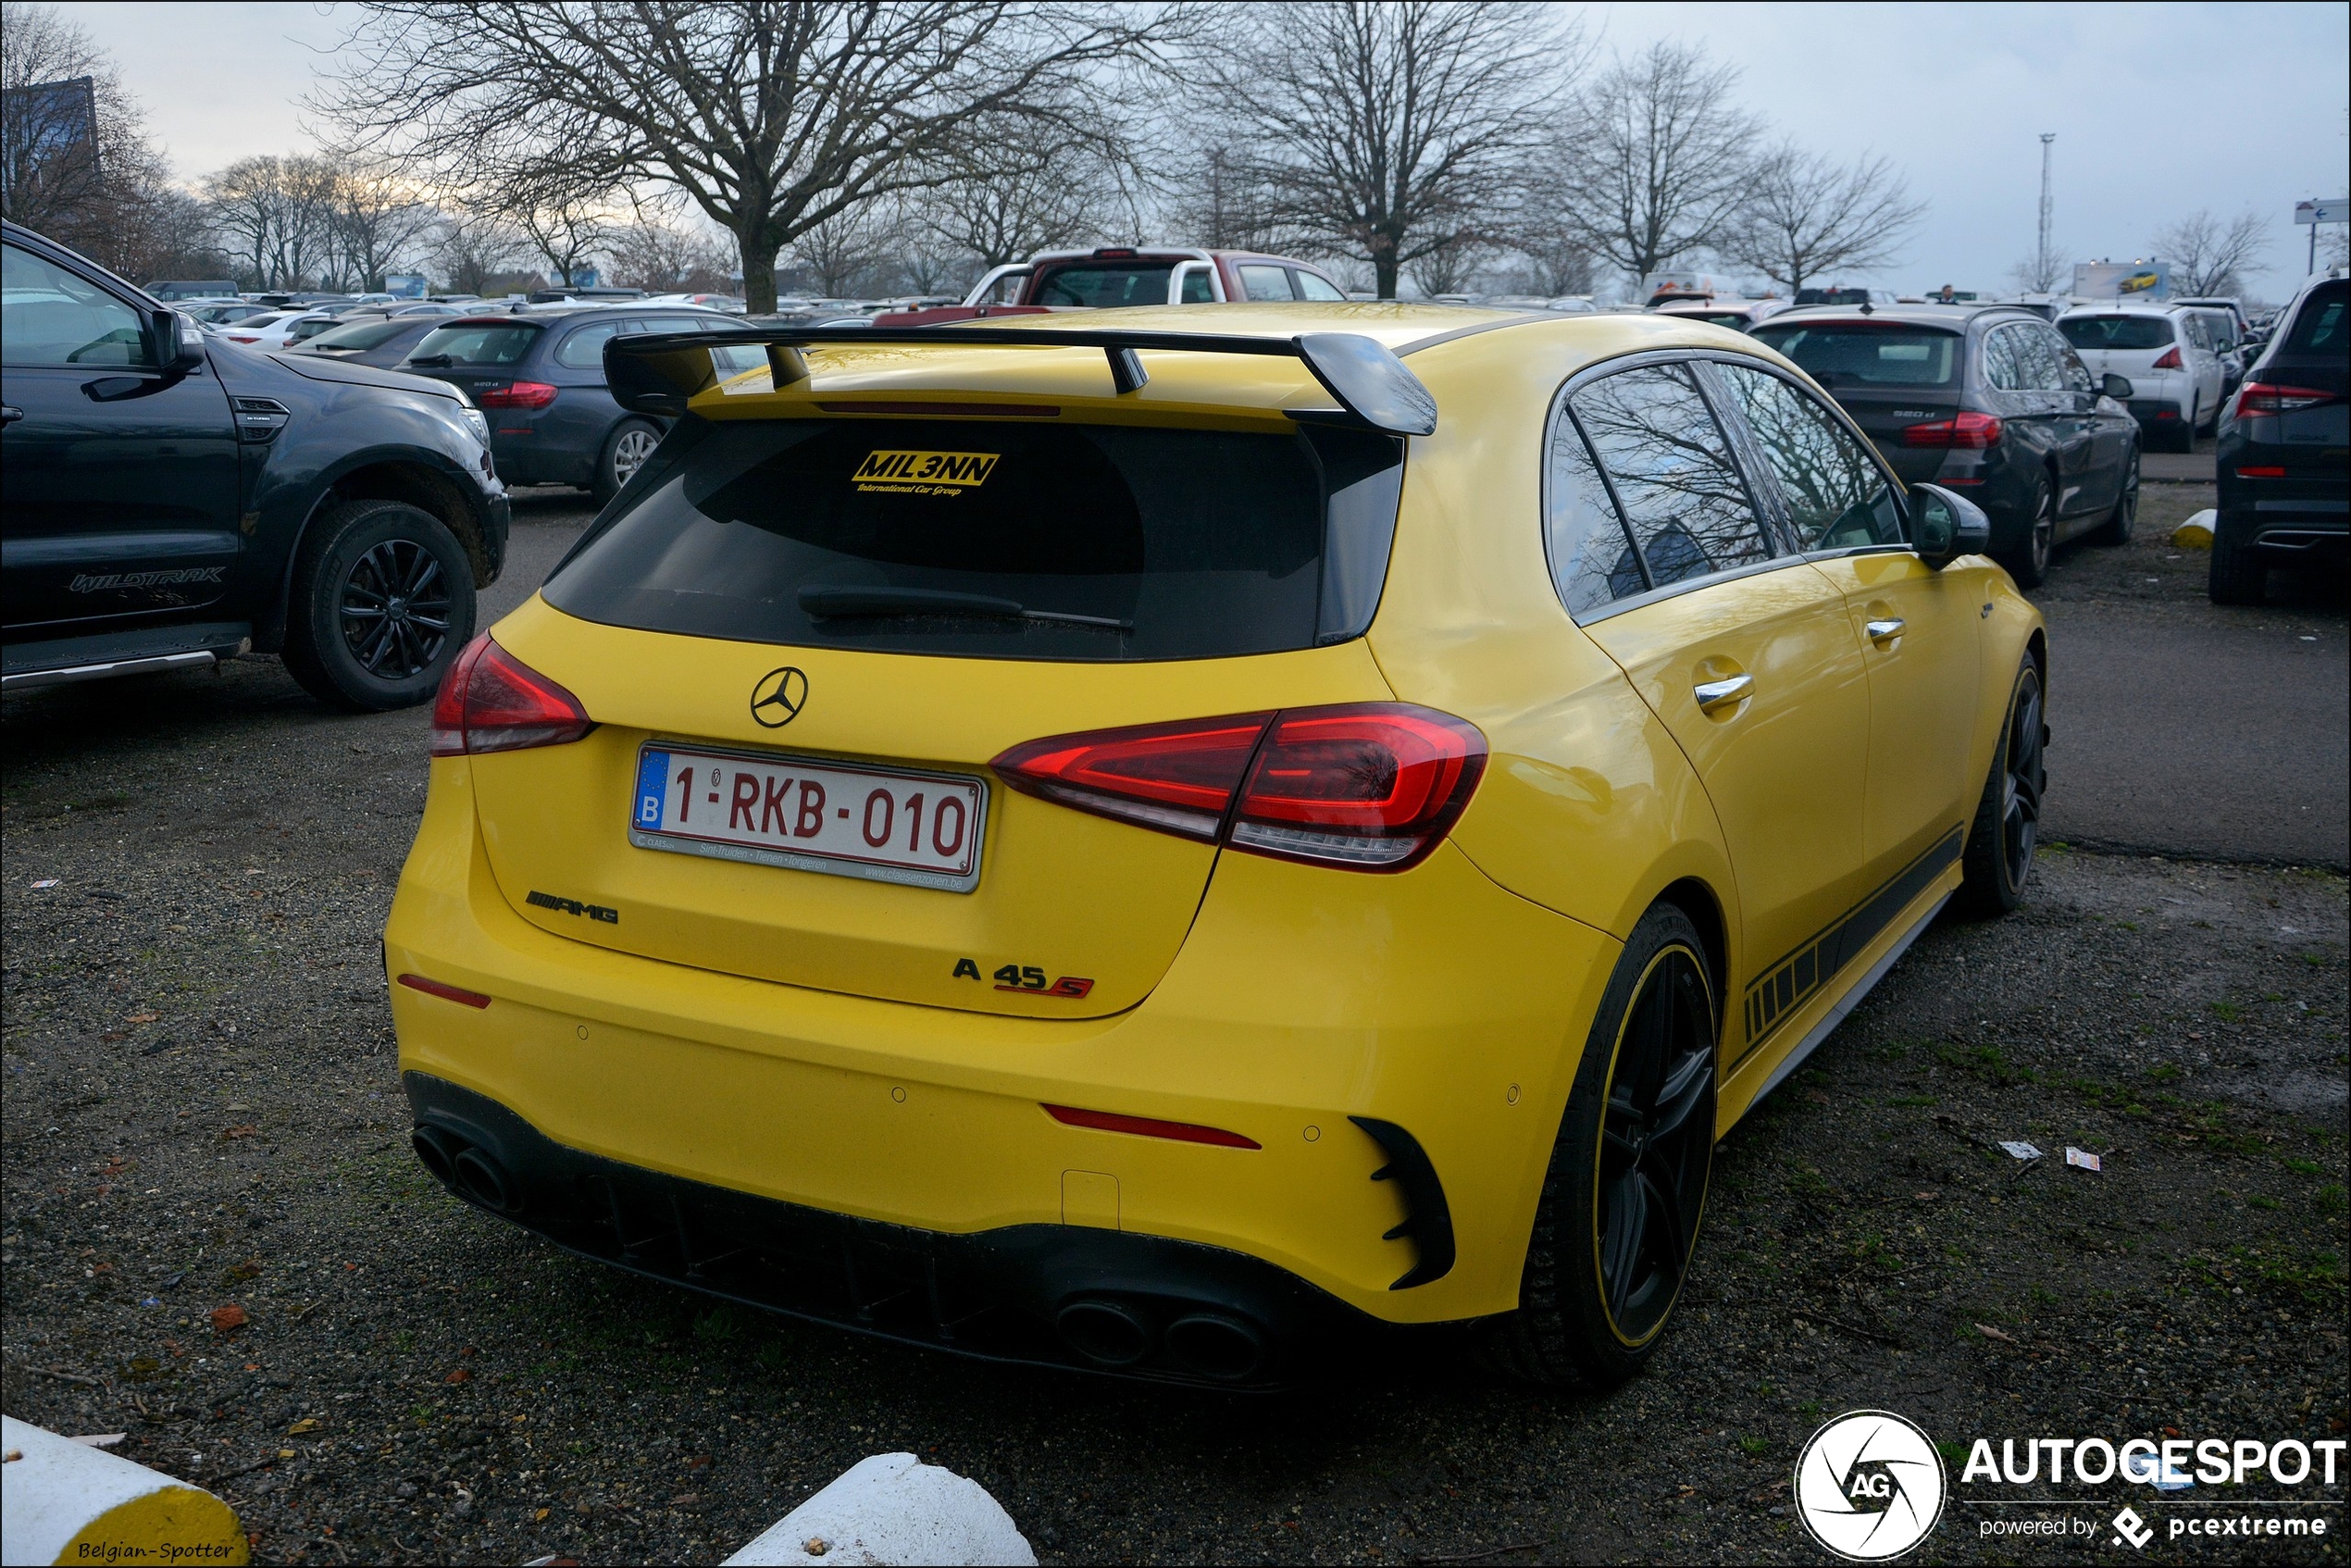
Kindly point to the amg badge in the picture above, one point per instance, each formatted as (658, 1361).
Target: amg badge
(610, 916)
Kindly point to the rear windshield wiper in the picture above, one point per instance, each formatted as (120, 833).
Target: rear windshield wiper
(432, 359)
(829, 604)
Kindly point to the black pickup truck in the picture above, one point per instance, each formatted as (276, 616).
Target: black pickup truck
(171, 500)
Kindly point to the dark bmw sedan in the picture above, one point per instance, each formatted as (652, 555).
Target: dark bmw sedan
(2285, 456)
(540, 377)
(1990, 400)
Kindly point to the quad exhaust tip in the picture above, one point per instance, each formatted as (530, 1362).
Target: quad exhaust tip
(1211, 1345)
(467, 1169)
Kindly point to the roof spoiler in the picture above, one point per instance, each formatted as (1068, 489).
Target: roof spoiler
(659, 373)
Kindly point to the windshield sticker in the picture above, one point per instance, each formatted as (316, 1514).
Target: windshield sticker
(924, 473)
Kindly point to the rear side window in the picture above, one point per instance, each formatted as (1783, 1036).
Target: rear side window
(1849, 354)
(1671, 470)
(1000, 539)
(2318, 326)
(1106, 287)
(478, 343)
(2117, 331)
(1313, 287)
(1262, 282)
(1836, 497)
(584, 350)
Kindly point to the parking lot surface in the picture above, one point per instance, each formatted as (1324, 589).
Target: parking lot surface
(217, 1241)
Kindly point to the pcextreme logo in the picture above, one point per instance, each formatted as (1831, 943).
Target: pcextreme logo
(1869, 1486)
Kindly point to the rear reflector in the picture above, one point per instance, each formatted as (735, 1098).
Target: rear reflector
(446, 992)
(1366, 786)
(1148, 1126)
(491, 700)
(1974, 431)
(2261, 473)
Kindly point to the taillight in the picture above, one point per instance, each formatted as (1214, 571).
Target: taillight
(491, 700)
(2267, 471)
(2267, 397)
(2169, 360)
(1366, 786)
(517, 394)
(1974, 431)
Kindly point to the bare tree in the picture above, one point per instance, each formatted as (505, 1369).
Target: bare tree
(1388, 129)
(773, 115)
(1225, 200)
(1657, 165)
(1808, 215)
(248, 203)
(378, 218)
(2209, 257)
(846, 249)
(2042, 274)
(1554, 263)
(1449, 270)
(662, 256)
(1018, 201)
(75, 161)
(469, 249)
(568, 227)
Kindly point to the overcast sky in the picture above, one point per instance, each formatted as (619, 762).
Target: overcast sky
(2159, 109)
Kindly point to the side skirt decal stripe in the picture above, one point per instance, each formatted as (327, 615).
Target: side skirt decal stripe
(1775, 995)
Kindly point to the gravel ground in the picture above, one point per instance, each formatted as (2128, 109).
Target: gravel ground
(217, 1240)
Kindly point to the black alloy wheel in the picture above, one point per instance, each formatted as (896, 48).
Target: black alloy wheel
(2123, 520)
(1655, 1147)
(1617, 1222)
(382, 599)
(395, 607)
(2007, 829)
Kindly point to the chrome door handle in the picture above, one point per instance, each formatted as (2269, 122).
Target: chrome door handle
(1884, 632)
(11, 414)
(1713, 694)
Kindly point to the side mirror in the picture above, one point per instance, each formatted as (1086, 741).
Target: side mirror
(1945, 525)
(178, 342)
(2115, 387)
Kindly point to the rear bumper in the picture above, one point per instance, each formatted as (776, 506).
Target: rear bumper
(1057, 1295)
(1302, 1003)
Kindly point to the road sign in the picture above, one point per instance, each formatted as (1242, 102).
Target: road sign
(2333, 210)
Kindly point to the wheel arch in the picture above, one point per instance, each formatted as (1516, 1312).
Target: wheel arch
(387, 477)
(1694, 897)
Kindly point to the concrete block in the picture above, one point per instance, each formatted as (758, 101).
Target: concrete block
(67, 1501)
(893, 1509)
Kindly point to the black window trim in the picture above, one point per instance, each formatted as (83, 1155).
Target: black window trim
(1753, 453)
(1753, 473)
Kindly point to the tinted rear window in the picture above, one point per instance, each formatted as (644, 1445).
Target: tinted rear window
(478, 343)
(2117, 331)
(361, 334)
(1169, 545)
(2318, 326)
(1107, 287)
(1847, 354)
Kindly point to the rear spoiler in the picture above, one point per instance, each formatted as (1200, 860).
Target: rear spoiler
(659, 373)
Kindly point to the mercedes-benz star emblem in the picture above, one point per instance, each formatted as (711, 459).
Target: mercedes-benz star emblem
(776, 700)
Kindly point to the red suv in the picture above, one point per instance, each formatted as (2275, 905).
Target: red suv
(1119, 275)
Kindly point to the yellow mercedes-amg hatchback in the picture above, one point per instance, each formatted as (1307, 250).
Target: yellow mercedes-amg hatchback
(1151, 847)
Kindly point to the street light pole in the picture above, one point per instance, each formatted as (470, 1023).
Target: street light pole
(2041, 264)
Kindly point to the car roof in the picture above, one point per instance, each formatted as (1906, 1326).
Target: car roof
(1954, 318)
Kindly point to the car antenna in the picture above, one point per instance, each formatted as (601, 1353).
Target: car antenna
(1866, 309)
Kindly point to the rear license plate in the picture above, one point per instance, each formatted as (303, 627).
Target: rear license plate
(889, 825)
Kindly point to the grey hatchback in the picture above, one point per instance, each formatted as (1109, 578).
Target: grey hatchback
(539, 375)
(1991, 401)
